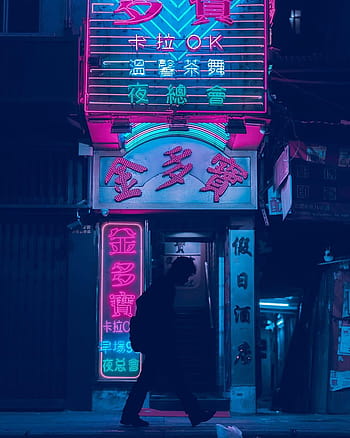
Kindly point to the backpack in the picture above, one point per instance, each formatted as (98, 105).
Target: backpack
(137, 334)
(140, 332)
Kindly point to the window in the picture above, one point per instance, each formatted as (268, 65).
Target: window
(303, 191)
(19, 16)
(295, 20)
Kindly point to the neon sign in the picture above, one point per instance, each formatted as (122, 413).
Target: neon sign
(121, 284)
(173, 173)
(192, 56)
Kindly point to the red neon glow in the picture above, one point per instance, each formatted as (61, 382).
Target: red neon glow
(122, 304)
(122, 241)
(178, 171)
(135, 17)
(218, 9)
(121, 274)
(272, 11)
(122, 270)
(226, 173)
(124, 181)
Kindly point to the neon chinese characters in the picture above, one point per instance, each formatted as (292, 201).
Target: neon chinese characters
(124, 180)
(134, 16)
(226, 173)
(177, 169)
(121, 284)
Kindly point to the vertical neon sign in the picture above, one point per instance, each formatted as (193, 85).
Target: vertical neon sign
(121, 284)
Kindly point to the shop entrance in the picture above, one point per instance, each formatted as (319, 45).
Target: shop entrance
(197, 311)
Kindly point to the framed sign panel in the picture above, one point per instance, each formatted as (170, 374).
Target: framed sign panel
(174, 173)
(121, 283)
(188, 56)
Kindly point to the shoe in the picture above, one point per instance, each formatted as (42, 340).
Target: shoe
(133, 421)
(202, 416)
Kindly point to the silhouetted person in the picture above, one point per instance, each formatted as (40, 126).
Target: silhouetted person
(157, 302)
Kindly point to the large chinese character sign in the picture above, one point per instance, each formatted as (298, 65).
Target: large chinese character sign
(121, 284)
(173, 173)
(192, 56)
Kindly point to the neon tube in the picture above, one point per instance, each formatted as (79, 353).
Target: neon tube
(270, 304)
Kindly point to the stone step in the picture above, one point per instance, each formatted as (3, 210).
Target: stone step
(170, 403)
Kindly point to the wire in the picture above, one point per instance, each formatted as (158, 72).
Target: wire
(293, 84)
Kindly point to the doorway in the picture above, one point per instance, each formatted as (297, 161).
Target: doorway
(198, 313)
(277, 321)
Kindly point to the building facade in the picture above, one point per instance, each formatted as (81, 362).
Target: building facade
(135, 134)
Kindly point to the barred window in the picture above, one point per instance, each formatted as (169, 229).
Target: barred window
(295, 21)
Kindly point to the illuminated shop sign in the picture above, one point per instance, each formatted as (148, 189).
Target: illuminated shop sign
(192, 56)
(121, 284)
(174, 173)
(241, 256)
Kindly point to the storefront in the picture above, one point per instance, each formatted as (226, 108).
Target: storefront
(174, 103)
(170, 197)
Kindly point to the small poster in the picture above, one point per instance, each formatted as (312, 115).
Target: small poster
(344, 341)
(274, 201)
(339, 380)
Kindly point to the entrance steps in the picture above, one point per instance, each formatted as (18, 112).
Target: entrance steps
(168, 402)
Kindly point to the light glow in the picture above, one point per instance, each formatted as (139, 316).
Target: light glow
(271, 304)
(213, 134)
(121, 273)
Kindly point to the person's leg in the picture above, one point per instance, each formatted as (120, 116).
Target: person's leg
(182, 389)
(188, 399)
(138, 392)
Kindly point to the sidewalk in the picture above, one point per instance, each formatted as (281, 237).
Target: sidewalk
(106, 424)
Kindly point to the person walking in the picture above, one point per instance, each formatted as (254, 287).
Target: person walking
(156, 308)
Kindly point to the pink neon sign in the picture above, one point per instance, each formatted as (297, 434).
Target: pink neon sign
(226, 173)
(192, 56)
(180, 175)
(134, 16)
(120, 286)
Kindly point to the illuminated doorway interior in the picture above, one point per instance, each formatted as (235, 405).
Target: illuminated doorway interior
(198, 307)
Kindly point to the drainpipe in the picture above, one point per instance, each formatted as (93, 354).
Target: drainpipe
(68, 15)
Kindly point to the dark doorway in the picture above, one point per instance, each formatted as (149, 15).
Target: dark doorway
(196, 307)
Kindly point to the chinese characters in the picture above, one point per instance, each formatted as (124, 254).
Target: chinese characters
(226, 173)
(124, 181)
(134, 15)
(178, 169)
(217, 9)
(121, 283)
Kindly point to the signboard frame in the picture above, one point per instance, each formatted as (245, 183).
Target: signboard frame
(121, 283)
(235, 37)
(170, 198)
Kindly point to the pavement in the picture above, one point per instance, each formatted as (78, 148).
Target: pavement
(68, 424)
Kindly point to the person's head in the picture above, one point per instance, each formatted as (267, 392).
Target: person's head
(181, 270)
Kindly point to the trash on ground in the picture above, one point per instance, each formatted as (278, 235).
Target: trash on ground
(228, 431)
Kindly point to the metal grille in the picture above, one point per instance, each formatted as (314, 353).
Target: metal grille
(33, 284)
(38, 178)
